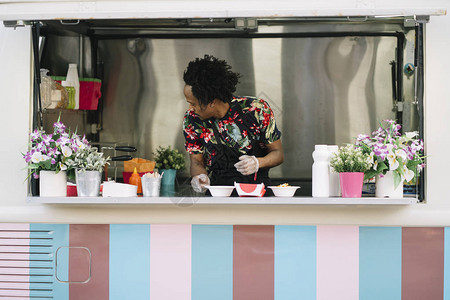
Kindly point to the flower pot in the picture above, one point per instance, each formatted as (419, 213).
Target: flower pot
(52, 184)
(384, 186)
(168, 178)
(88, 183)
(351, 184)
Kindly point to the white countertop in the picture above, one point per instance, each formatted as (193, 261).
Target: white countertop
(189, 200)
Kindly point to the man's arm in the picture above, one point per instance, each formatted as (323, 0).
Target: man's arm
(197, 164)
(274, 158)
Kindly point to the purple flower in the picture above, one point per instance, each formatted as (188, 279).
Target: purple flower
(59, 127)
(35, 135)
(53, 161)
(47, 138)
(35, 175)
(28, 155)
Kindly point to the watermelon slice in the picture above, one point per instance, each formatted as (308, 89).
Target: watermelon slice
(250, 189)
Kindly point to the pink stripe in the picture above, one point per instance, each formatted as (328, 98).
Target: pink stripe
(14, 285)
(13, 234)
(170, 262)
(15, 271)
(14, 226)
(21, 256)
(15, 249)
(16, 278)
(15, 293)
(337, 262)
(5, 242)
(14, 263)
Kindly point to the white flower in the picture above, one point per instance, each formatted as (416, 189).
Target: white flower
(409, 175)
(62, 166)
(375, 165)
(412, 134)
(393, 162)
(37, 157)
(67, 151)
(401, 153)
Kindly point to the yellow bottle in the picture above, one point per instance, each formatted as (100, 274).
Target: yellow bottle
(135, 179)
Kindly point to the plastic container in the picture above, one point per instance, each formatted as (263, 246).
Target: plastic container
(321, 172)
(72, 77)
(135, 179)
(46, 89)
(335, 188)
(71, 94)
(90, 92)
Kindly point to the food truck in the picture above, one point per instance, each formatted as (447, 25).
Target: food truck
(329, 70)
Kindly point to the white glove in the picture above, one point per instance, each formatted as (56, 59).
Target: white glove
(247, 165)
(198, 183)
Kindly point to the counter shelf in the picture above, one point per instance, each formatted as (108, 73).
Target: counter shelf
(190, 200)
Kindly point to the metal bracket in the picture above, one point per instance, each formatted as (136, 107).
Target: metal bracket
(14, 24)
(246, 23)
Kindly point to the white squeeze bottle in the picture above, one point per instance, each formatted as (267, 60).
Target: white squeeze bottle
(321, 172)
(72, 77)
(335, 188)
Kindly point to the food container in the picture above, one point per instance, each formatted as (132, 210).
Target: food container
(151, 186)
(220, 190)
(114, 189)
(250, 189)
(284, 191)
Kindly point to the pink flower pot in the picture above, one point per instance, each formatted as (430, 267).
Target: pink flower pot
(351, 184)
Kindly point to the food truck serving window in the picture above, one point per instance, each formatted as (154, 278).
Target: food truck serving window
(327, 80)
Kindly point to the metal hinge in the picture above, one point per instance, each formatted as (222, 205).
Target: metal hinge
(14, 24)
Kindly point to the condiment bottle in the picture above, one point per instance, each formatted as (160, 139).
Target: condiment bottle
(135, 179)
(72, 77)
(335, 189)
(321, 172)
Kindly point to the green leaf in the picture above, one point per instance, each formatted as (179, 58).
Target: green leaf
(397, 179)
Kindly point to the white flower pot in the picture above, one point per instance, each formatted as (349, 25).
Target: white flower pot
(384, 187)
(88, 183)
(52, 184)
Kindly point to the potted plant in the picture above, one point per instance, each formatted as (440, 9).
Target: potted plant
(50, 158)
(168, 161)
(88, 164)
(351, 163)
(396, 158)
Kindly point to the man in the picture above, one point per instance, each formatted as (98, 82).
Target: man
(234, 138)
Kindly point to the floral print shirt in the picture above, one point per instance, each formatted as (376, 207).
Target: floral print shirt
(257, 120)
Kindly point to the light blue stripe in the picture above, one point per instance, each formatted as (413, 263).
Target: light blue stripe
(380, 263)
(129, 262)
(447, 263)
(58, 236)
(212, 262)
(295, 262)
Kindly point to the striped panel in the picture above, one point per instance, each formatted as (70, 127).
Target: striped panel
(212, 262)
(295, 262)
(96, 239)
(380, 258)
(129, 262)
(170, 262)
(253, 262)
(337, 262)
(14, 258)
(422, 263)
(52, 237)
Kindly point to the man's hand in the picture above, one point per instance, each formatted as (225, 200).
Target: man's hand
(198, 183)
(247, 165)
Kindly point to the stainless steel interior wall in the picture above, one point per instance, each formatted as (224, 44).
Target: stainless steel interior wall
(322, 90)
